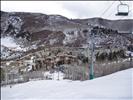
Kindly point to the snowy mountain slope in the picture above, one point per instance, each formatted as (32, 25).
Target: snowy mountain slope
(32, 30)
(117, 86)
(7, 53)
(9, 48)
(120, 25)
(9, 42)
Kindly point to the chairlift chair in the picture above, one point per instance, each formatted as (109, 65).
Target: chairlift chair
(122, 10)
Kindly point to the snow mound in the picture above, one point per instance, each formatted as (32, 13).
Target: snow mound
(117, 86)
(54, 76)
(9, 42)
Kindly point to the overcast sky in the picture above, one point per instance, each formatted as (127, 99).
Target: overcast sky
(70, 9)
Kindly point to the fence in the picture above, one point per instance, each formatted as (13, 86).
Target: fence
(72, 72)
(102, 69)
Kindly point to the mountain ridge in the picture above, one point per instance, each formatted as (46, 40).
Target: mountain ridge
(31, 30)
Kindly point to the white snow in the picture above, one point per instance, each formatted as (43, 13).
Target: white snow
(9, 42)
(29, 68)
(117, 86)
(129, 52)
(52, 41)
(70, 38)
(54, 76)
(16, 22)
(8, 53)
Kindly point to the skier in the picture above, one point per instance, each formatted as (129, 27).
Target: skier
(130, 56)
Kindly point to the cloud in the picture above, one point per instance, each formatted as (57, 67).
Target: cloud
(87, 9)
(84, 9)
(70, 9)
(79, 9)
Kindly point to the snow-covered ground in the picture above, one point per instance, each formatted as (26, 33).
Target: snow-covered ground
(117, 86)
(7, 53)
(54, 76)
(9, 42)
(129, 52)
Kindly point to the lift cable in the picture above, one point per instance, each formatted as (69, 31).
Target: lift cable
(120, 17)
(120, 1)
(107, 8)
(91, 67)
(92, 49)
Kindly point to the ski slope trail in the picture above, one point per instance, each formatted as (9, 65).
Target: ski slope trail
(117, 86)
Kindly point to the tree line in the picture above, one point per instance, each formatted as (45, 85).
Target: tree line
(113, 55)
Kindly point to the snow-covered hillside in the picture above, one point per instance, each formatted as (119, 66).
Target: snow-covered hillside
(9, 48)
(116, 86)
(28, 31)
(10, 43)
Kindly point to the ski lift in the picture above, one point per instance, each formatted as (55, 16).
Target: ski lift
(122, 10)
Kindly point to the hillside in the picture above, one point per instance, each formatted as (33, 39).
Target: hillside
(32, 30)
